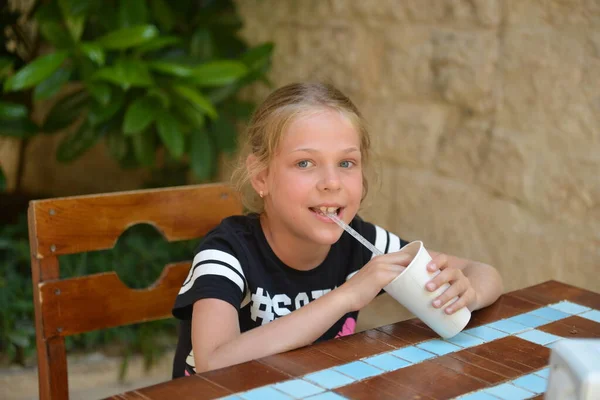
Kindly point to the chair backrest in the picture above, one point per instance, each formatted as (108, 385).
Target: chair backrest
(79, 224)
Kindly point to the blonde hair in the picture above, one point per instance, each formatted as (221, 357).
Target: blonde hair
(270, 121)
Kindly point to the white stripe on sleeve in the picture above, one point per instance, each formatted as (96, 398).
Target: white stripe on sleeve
(394, 243)
(380, 239)
(209, 268)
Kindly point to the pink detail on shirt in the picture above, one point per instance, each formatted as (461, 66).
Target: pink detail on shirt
(348, 328)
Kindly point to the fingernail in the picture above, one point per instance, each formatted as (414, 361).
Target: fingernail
(448, 311)
(430, 286)
(432, 266)
(437, 303)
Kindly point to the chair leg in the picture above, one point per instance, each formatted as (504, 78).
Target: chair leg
(53, 382)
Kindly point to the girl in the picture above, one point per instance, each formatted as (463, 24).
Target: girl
(285, 276)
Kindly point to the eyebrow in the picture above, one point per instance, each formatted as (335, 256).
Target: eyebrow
(309, 150)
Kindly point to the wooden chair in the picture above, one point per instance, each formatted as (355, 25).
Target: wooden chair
(94, 222)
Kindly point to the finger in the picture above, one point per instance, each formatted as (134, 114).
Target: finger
(454, 290)
(438, 262)
(448, 275)
(398, 258)
(463, 301)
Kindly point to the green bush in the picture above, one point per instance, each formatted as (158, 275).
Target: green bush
(147, 77)
(138, 257)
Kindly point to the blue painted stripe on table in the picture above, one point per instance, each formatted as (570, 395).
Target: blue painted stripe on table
(531, 382)
(265, 393)
(509, 327)
(570, 308)
(298, 388)
(326, 396)
(530, 320)
(507, 391)
(358, 370)
(486, 333)
(544, 372)
(438, 347)
(387, 362)
(549, 313)
(593, 315)
(464, 340)
(328, 378)
(539, 337)
(478, 396)
(231, 397)
(412, 354)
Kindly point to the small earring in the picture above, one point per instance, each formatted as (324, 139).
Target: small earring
(261, 194)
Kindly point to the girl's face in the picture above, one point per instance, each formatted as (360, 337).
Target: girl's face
(317, 167)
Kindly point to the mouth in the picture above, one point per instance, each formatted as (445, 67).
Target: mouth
(324, 211)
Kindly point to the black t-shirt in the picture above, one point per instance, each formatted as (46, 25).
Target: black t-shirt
(235, 263)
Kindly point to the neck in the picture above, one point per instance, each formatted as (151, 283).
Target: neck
(291, 250)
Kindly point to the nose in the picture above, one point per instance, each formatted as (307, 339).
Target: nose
(329, 180)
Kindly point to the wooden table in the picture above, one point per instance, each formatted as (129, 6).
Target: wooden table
(507, 357)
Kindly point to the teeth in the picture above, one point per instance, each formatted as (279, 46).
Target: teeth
(328, 210)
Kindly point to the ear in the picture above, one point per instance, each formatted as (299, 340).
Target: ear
(258, 179)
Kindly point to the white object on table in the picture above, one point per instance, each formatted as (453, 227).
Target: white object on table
(574, 370)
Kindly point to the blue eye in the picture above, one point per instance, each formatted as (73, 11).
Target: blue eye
(346, 164)
(303, 164)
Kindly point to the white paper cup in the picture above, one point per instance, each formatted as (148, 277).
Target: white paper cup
(408, 289)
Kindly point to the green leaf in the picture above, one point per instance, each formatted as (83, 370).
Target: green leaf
(140, 114)
(144, 145)
(258, 56)
(48, 11)
(171, 134)
(76, 7)
(20, 128)
(65, 111)
(160, 95)
(100, 92)
(201, 44)
(163, 14)
(56, 34)
(126, 73)
(218, 73)
(196, 98)
(157, 43)
(73, 12)
(171, 68)
(132, 13)
(202, 155)
(128, 37)
(35, 72)
(94, 52)
(99, 113)
(11, 111)
(74, 144)
(189, 113)
(75, 25)
(224, 134)
(52, 85)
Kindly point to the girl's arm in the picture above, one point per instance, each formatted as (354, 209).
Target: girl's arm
(217, 341)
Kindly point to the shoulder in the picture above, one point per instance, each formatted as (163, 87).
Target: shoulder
(383, 239)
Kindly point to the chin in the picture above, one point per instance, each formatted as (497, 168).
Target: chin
(328, 239)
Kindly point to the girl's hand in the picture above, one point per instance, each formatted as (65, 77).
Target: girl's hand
(460, 285)
(370, 279)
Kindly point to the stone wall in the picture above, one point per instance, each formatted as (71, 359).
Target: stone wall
(485, 116)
